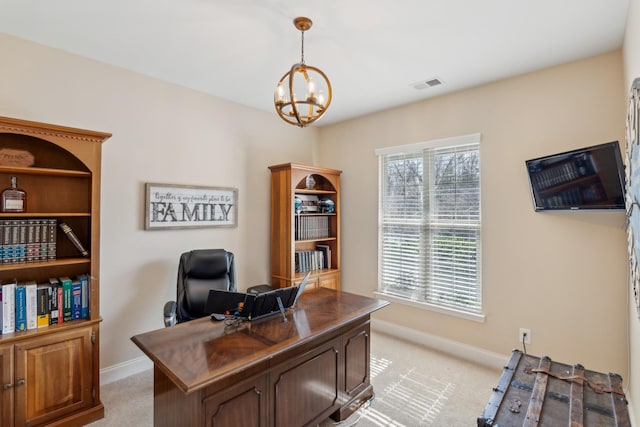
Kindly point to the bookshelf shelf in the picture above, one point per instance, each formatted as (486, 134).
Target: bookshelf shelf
(300, 276)
(42, 332)
(63, 184)
(322, 239)
(304, 241)
(43, 171)
(315, 213)
(46, 264)
(309, 191)
(44, 214)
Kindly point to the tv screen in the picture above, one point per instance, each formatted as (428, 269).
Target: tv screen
(587, 178)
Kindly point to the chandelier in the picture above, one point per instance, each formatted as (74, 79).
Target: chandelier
(302, 79)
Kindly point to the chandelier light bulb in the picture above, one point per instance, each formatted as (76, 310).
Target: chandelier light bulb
(280, 94)
(311, 88)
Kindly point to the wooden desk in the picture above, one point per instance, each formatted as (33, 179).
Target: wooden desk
(265, 372)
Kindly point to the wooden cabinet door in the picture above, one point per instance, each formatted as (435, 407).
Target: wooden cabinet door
(356, 360)
(6, 403)
(305, 389)
(57, 374)
(357, 388)
(244, 404)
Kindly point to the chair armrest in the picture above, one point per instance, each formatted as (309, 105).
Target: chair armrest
(170, 308)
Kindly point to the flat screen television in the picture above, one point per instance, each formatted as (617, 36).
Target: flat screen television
(586, 178)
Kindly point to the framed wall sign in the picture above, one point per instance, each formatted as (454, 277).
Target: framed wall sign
(169, 206)
(633, 188)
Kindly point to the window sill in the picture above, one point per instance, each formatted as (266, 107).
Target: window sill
(480, 318)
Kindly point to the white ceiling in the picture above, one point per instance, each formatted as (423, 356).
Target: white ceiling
(372, 50)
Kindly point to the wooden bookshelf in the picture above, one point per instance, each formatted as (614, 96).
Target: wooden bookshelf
(287, 243)
(51, 374)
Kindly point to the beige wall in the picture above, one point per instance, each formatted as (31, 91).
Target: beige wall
(631, 72)
(161, 133)
(563, 275)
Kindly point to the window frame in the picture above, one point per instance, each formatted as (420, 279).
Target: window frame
(421, 302)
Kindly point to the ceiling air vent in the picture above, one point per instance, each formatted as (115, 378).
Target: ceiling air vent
(423, 84)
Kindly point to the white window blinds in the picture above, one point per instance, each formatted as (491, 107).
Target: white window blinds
(429, 227)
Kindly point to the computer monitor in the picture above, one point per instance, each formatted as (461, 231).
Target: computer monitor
(272, 302)
(222, 303)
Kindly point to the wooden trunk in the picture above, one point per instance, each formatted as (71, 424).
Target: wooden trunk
(535, 391)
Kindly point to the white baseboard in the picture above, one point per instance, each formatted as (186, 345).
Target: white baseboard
(454, 348)
(124, 369)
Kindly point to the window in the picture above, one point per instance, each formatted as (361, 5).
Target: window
(429, 223)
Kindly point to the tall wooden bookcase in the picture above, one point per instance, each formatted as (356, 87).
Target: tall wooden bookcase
(289, 240)
(50, 375)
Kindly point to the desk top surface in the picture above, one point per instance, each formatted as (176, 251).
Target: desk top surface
(198, 353)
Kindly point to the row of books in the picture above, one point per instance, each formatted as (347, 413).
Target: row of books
(563, 172)
(313, 259)
(576, 196)
(27, 240)
(31, 305)
(311, 227)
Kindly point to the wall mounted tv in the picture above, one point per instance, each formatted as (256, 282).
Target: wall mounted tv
(587, 178)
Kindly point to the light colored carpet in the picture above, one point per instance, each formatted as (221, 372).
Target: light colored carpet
(414, 386)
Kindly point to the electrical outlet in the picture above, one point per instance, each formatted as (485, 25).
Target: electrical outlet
(525, 334)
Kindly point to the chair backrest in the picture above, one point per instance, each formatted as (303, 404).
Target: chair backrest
(199, 271)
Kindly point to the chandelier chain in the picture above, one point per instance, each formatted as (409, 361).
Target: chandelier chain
(302, 49)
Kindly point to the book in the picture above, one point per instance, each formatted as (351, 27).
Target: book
(84, 282)
(40, 246)
(20, 307)
(55, 301)
(76, 299)
(49, 231)
(33, 240)
(14, 236)
(6, 241)
(44, 304)
(32, 304)
(326, 254)
(21, 247)
(73, 238)
(66, 285)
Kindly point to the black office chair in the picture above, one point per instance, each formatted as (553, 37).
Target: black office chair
(199, 271)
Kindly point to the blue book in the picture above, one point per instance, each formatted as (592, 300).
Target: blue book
(84, 282)
(76, 300)
(21, 307)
